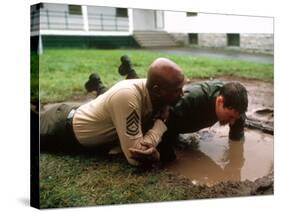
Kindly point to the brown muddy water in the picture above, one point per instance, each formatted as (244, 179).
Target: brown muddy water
(212, 158)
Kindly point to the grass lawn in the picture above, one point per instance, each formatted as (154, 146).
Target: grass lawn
(96, 178)
(63, 72)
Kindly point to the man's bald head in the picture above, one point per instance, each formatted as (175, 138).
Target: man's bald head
(165, 80)
(164, 72)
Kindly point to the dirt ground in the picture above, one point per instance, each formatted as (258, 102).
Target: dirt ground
(261, 186)
(261, 96)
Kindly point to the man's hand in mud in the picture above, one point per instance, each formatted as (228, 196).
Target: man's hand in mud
(147, 152)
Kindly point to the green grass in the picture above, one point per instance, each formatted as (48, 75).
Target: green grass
(82, 180)
(63, 72)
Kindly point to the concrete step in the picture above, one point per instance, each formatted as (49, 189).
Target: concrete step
(158, 45)
(154, 39)
(160, 42)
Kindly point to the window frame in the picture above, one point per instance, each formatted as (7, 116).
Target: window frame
(233, 39)
(119, 12)
(191, 14)
(191, 38)
(72, 11)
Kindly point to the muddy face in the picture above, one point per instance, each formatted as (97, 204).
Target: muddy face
(216, 159)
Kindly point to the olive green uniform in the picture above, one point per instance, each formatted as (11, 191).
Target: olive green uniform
(194, 111)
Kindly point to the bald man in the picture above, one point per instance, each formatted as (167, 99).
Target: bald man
(131, 114)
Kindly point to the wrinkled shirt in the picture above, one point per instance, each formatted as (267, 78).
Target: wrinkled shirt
(119, 114)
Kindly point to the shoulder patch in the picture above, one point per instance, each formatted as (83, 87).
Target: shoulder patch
(132, 124)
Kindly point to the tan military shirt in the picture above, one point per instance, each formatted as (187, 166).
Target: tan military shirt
(118, 114)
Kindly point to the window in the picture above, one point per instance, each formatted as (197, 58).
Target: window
(193, 38)
(74, 10)
(189, 14)
(233, 39)
(121, 12)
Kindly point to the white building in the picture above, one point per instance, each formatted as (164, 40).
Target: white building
(63, 25)
(248, 33)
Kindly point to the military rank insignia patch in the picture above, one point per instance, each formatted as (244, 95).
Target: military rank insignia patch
(133, 123)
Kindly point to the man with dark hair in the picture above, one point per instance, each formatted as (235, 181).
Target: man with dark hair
(235, 96)
(201, 106)
(117, 117)
(125, 69)
(94, 83)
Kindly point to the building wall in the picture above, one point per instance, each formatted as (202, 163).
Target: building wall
(105, 19)
(256, 33)
(94, 10)
(180, 38)
(217, 40)
(251, 42)
(56, 16)
(178, 22)
(143, 19)
(257, 42)
(34, 19)
(160, 22)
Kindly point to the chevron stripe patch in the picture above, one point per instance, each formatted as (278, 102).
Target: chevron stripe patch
(133, 123)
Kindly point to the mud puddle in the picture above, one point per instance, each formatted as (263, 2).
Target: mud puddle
(209, 157)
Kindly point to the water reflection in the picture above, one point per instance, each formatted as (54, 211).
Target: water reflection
(218, 159)
(235, 160)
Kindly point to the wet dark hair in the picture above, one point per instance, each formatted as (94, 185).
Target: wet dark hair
(235, 96)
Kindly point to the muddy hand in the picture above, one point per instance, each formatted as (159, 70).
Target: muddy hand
(148, 153)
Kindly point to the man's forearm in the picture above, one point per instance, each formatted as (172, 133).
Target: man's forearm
(236, 131)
